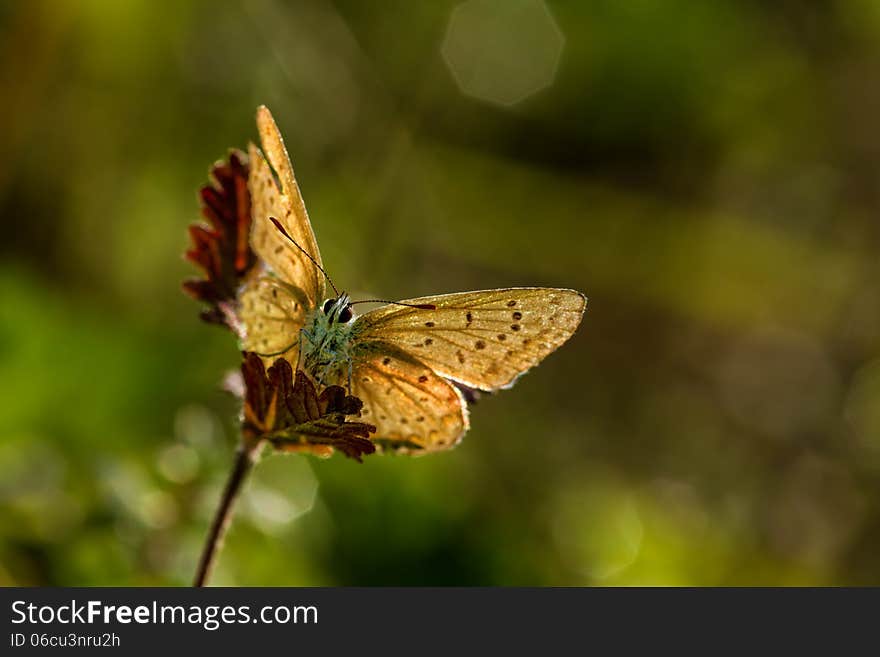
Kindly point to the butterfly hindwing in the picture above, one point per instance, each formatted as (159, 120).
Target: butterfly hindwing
(272, 314)
(482, 339)
(414, 410)
(285, 204)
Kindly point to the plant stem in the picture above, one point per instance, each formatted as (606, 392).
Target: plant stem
(244, 462)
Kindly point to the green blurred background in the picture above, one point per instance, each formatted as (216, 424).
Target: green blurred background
(706, 172)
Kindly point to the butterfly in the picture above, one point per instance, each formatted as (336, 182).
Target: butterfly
(406, 360)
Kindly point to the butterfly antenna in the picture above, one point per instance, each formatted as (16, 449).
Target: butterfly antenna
(420, 306)
(306, 253)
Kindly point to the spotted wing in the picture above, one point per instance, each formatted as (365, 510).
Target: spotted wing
(483, 339)
(413, 409)
(272, 314)
(285, 204)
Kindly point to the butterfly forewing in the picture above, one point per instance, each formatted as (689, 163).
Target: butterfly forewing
(287, 207)
(272, 313)
(413, 409)
(483, 339)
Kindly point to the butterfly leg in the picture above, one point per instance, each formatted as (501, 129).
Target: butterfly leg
(275, 353)
(298, 341)
(303, 333)
(350, 366)
(324, 374)
(299, 350)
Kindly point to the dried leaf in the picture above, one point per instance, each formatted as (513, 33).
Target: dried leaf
(220, 247)
(289, 412)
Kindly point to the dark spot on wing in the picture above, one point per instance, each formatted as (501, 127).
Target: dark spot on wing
(423, 379)
(429, 324)
(511, 304)
(517, 315)
(469, 317)
(514, 327)
(386, 361)
(502, 337)
(428, 342)
(479, 344)
(460, 356)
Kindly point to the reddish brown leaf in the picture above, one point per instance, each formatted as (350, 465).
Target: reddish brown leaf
(220, 248)
(289, 412)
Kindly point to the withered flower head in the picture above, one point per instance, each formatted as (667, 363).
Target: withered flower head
(292, 416)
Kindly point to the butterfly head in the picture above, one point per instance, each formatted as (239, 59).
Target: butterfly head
(338, 310)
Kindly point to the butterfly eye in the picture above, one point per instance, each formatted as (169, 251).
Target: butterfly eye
(328, 304)
(345, 315)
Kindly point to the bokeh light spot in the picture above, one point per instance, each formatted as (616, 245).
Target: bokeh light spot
(178, 463)
(282, 489)
(502, 51)
(816, 511)
(597, 526)
(196, 425)
(157, 509)
(779, 383)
